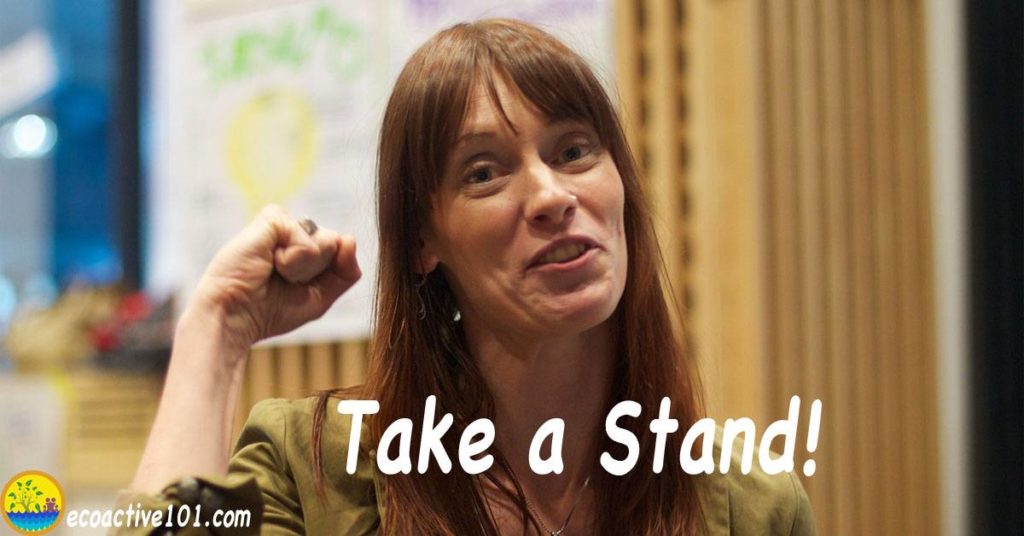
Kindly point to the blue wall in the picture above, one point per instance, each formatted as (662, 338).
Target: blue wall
(84, 206)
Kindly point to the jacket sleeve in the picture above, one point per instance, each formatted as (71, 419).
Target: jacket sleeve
(803, 517)
(259, 488)
(261, 454)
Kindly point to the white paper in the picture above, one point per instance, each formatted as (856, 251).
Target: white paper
(281, 102)
(278, 107)
(584, 25)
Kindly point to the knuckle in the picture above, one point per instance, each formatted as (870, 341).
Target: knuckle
(274, 214)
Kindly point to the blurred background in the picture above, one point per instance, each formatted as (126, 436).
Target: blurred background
(837, 186)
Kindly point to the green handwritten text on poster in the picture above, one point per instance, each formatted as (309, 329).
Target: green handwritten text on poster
(290, 44)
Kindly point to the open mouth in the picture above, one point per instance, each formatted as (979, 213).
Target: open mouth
(563, 254)
(568, 253)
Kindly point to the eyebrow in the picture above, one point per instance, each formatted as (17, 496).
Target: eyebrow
(491, 134)
(473, 135)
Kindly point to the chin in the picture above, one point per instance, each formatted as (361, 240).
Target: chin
(579, 313)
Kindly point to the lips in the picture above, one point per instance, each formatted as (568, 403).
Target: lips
(562, 251)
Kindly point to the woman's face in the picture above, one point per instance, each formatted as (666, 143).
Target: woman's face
(528, 222)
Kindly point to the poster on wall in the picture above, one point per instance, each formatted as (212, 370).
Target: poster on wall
(584, 25)
(281, 102)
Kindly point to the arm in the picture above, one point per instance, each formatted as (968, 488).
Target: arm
(259, 486)
(194, 418)
(270, 279)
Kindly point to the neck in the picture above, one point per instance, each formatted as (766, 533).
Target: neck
(565, 377)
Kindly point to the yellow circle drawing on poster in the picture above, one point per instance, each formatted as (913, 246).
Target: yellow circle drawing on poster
(271, 145)
(33, 502)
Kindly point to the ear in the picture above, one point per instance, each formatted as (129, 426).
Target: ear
(427, 260)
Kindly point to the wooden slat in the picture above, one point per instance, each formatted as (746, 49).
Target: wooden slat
(321, 364)
(107, 423)
(838, 406)
(686, 299)
(864, 449)
(627, 68)
(243, 404)
(261, 379)
(887, 373)
(109, 467)
(661, 88)
(353, 364)
(911, 355)
(726, 218)
(925, 300)
(289, 362)
(809, 232)
(705, 322)
(784, 275)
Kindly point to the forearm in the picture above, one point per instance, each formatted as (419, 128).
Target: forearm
(192, 430)
(271, 278)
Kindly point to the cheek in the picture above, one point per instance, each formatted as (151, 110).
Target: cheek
(616, 214)
(615, 202)
(620, 210)
(476, 233)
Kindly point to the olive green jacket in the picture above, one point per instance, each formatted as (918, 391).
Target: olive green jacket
(271, 476)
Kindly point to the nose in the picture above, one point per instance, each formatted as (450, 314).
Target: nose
(549, 202)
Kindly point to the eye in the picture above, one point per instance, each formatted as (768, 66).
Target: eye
(480, 175)
(574, 152)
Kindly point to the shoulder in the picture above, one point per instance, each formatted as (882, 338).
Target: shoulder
(756, 502)
(279, 418)
(287, 424)
(276, 445)
(274, 431)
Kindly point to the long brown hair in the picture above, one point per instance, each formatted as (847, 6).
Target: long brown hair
(417, 347)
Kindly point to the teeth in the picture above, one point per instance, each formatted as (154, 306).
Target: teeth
(564, 253)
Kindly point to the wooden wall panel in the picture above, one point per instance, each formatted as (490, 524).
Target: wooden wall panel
(323, 362)
(661, 88)
(298, 371)
(352, 370)
(725, 266)
(842, 240)
(289, 367)
(108, 421)
(628, 73)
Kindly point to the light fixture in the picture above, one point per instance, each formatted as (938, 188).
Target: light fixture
(29, 136)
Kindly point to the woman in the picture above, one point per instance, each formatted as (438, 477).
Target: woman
(519, 280)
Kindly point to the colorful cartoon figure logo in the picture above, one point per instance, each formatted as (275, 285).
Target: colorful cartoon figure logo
(33, 502)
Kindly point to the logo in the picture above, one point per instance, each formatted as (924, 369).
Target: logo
(33, 502)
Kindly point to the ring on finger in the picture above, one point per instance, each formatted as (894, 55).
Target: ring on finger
(308, 225)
